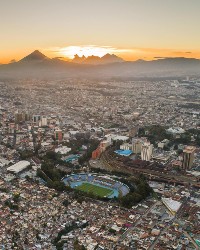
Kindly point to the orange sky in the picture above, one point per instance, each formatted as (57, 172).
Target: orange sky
(131, 54)
(132, 29)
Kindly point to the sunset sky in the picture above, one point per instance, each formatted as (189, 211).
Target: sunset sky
(132, 29)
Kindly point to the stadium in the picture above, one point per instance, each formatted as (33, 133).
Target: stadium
(102, 186)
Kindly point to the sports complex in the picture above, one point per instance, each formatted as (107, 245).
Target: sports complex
(102, 186)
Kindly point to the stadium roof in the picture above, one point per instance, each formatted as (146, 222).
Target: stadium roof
(18, 167)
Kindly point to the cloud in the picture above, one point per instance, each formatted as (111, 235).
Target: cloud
(59, 57)
(131, 53)
(182, 52)
(159, 57)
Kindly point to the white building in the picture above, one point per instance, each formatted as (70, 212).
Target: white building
(104, 144)
(113, 137)
(146, 151)
(120, 138)
(136, 145)
(43, 121)
(172, 205)
(175, 130)
(126, 146)
(18, 167)
(3, 162)
(188, 157)
(63, 150)
(163, 143)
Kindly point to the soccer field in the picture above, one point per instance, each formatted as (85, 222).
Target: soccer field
(90, 188)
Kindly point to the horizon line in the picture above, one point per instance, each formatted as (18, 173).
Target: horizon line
(67, 59)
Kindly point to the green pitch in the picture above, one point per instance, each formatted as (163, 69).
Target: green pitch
(91, 188)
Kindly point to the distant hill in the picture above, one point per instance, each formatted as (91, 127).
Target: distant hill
(78, 59)
(34, 56)
(39, 66)
(108, 58)
(95, 60)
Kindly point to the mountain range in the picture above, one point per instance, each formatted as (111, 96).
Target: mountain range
(95, 60)
(37, 65)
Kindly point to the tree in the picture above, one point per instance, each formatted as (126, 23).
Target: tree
(65, 203)
(38, 236)
(117, 144)
(16, 197)
(88, 154)
(175, 147)
(166, 148)
(112, 231)
(179, 151)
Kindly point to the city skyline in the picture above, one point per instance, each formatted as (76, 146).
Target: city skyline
(129, 29)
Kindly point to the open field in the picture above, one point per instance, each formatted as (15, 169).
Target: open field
(97, 190)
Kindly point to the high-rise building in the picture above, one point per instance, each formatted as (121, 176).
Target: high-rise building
(146, 151)
(21, 117)
(36, 118)
(96, 153)
(103, 145)
(126, 146)
(27, 116)
(136, 146)
(58, 135)
(43, 121)
(188, 157)
(11, 128)
(18, 117)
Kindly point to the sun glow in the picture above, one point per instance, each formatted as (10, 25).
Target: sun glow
(88, 50)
